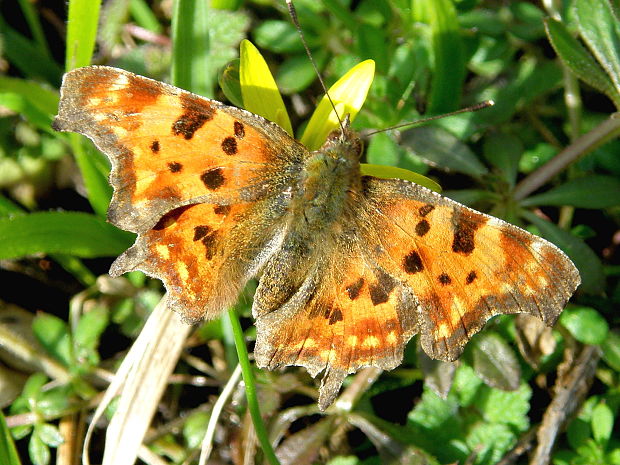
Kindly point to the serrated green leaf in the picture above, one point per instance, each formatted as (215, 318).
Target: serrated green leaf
(588, 263)
(495, 362)
(602, 423)
(593, 191)
(72, 233)
(440, 148)
(466, 384)
(53, 334)
(490, 442)
(585, 324)
(506, 407)
(578, 60)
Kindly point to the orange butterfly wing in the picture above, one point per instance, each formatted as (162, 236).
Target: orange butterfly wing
(169, 147)
(404, 261)
(203, 184)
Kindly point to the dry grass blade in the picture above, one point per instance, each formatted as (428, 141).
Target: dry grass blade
(207, 443)
(140, 381)
(570, 390)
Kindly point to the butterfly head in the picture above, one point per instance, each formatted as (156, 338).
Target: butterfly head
(344, 143)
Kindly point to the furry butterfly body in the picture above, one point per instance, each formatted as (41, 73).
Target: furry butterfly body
(350, 266)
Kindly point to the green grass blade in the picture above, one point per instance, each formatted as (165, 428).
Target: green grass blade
(26, 55)
(77, 234)
(81, 32)
(35, 25)
(447, 46)
(190, 46)
(8, 452)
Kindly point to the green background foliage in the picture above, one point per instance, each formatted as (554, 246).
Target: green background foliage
(546, 157)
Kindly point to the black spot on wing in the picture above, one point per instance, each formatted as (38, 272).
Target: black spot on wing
(229, 146)
(213, 179)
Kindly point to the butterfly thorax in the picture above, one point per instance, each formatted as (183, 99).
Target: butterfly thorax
(329, 174)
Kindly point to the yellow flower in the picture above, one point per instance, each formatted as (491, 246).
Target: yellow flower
(260, 95)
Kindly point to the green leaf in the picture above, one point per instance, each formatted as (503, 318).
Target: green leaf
(50, 434)
(592, 191)
(228, 80)
(495, 362)
(440, 148)
(280, 37)
(8, 452)
(83, 18)
(297, 73)
(38, 451)
(32, 388)
(588, 263)
(504, 152)
(602, 424)
(611, 350)
(53, 334)
(578, 60)
(73, 233)
(194, 429)
(585, 324)
(578, 433)
(599, 28)
(89, 328)
(373, 43)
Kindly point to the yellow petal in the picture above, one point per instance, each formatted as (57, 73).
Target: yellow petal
(348, 94)
(258, 88)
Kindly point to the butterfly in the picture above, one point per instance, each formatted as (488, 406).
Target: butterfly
(350, 266)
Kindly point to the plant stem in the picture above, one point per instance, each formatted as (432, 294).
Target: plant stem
(250, 389)
(607, 130)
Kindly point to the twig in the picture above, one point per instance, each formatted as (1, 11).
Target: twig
(607, 130)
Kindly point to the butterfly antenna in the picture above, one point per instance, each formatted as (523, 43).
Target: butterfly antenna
(475, 107)
(293, 13)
